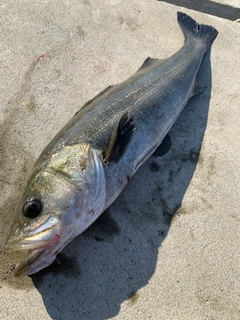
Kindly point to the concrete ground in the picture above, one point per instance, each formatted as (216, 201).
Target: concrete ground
(135, 262)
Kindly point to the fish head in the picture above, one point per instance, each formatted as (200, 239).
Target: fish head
(61, 200)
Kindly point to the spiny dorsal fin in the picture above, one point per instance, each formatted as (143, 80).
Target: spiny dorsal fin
(120, 139)
(96, 97)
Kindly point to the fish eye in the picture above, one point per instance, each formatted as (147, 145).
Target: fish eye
(32, 208)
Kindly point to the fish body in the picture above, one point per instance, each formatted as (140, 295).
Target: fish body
(89, 162)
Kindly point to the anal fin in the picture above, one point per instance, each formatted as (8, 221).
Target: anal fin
(120, 139)
(198, 88)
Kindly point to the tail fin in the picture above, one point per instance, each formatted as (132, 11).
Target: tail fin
(191, 28)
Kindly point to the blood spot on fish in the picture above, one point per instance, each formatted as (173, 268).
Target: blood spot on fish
(57, 236)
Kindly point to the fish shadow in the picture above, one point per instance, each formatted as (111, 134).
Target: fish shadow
(117, 255)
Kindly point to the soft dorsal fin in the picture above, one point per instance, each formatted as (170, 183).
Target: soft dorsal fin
(120, 139)
(96, 97)
(198, 88)
(150, 62)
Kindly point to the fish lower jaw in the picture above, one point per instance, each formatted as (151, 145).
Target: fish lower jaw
(39, 257)
(31, 264)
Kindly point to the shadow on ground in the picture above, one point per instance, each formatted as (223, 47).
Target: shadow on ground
(217, 9)
(117, 255)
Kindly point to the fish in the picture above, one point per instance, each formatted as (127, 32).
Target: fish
(88, 163)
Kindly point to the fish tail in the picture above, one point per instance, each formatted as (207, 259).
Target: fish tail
(191, 29)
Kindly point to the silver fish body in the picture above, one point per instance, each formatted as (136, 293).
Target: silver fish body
(89, 162)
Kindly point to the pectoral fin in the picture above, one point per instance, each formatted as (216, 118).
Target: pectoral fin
(120, 139)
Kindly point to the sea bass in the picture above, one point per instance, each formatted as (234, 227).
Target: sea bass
(89, 162)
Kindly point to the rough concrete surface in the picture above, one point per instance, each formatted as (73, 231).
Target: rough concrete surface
(135, 262)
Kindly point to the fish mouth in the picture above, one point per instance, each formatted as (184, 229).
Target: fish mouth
(39, 255)
(41, 245)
